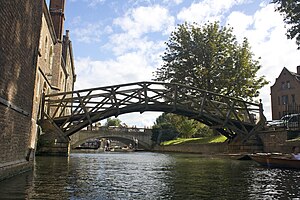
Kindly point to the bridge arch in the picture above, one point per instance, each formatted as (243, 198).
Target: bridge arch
(72, 111)
(123, 139)
(125, 135)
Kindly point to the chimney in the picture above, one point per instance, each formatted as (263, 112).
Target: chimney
(298, 69)
(57, 8)
(67, 34)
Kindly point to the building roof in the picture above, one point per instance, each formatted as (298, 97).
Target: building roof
(293, 74)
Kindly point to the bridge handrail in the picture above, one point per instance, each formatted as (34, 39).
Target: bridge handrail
(150, 83)
(123, 129)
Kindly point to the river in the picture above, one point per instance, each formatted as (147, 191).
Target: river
(146, 175)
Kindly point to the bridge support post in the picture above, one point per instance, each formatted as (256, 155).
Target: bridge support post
(52, 143)
(52, 147)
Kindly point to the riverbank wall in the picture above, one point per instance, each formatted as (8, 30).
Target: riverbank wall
(216, 148)
(274, 141)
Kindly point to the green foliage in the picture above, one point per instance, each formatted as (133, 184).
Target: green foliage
(163, 129)
(210, 58)
(113, 122)
(168, 126)
(204, 140)
(290, 9)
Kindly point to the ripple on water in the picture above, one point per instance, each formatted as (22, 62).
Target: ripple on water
(142, 175)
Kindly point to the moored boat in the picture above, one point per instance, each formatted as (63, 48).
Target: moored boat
(276, 161)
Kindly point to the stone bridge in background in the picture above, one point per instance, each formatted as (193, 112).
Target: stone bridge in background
(122, 134)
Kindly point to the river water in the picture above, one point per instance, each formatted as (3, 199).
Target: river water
(146, 175)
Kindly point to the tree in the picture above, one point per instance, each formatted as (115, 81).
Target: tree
(113, 122)
(168, 126)
(163, 128)
(210, 58)
(290, 9)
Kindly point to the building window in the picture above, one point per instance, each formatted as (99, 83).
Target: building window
(288, 85)
(283, 85)
(46, 48)
(285, 99)
(50, 57)
(37, 92)
(293, 98)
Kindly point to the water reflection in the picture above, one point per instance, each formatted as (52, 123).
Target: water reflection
(274, 184)
(150, 176)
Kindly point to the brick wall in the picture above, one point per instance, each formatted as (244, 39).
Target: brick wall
(19, 35)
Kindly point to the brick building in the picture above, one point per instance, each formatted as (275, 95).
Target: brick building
(285, 93)
(20, 26)
(35, 58)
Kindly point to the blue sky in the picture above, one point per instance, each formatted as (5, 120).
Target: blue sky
(119, 41)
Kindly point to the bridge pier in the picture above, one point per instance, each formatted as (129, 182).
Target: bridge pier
(52, 142)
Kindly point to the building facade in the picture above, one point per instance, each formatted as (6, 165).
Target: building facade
(35, 59)
(20, 27)
(285, 94)
(55, 65)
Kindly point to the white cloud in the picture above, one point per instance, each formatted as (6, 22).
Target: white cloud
(90, 32)
(130, 67)
(177, 2)
(144, 20)
(207, 10)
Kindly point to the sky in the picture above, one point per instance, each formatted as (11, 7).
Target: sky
(122, 41)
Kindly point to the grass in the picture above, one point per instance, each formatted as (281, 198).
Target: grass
(204, 140)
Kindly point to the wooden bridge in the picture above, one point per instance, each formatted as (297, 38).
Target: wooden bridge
(69, 112)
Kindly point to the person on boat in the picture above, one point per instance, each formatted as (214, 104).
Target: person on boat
(107, 145)
(296, 153)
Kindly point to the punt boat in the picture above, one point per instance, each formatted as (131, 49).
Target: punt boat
(276, 160)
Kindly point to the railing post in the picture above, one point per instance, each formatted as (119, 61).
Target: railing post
(145, 95)
(262, 117)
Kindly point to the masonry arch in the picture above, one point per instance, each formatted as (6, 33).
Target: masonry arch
(123, 139)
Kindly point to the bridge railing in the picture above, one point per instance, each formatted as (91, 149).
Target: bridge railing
(120, 129)
(73, 110)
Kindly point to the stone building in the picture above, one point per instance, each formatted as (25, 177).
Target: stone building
(285, 93)
(55, 65)
(44, 66)
(35, 58)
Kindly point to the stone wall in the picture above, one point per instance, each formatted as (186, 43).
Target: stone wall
(207, 149)
(276, 141)
(19, 37)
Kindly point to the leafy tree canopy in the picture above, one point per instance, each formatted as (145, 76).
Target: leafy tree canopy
(290, 9)
(172, 125)
(113, 122)
(209, 57)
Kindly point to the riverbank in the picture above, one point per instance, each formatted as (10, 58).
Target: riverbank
(273, 145)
